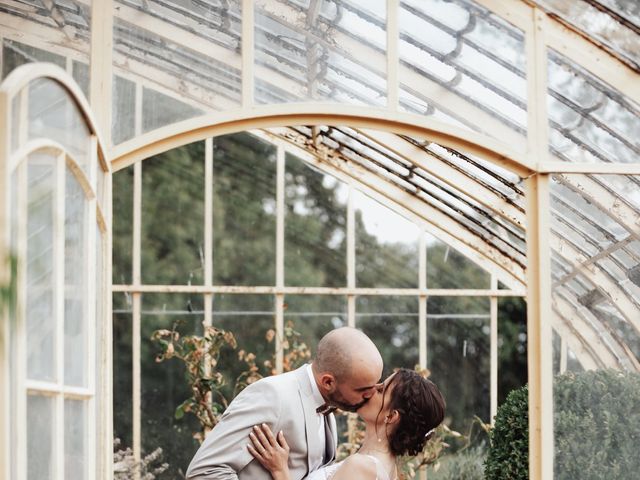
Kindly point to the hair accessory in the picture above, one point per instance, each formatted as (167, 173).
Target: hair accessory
(429, 432)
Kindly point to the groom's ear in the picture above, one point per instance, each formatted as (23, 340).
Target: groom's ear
(328, 382)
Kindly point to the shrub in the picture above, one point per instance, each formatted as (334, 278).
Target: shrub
(509, 439)
(596, 423)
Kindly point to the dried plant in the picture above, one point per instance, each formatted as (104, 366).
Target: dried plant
(125, 466)
(200, 355)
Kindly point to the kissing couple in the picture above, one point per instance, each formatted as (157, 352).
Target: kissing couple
(283, 428)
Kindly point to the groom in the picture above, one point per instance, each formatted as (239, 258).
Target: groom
(344, 374)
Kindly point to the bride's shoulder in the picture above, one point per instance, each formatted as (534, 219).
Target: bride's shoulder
(361, 465)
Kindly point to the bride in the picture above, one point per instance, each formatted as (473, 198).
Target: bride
(400, 418)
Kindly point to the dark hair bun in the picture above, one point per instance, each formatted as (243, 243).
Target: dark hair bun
(421, 407)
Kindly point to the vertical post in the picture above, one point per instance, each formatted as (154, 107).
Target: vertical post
(137, 314)
(351, 257)
(539, 334)
(5, 279)
(208, 230)
(280, 185)
(58, 213)
(248, 48)
(422, 300)
(422, 314)
(100, 68)
(494, 349)
(91, 311)
(393, 61)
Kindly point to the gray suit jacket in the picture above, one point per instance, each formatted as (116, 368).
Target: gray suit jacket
(284, 402)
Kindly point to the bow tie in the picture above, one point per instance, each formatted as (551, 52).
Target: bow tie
(326, 409)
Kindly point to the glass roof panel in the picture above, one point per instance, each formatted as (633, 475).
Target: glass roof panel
(603, 276)
(464, 65)
(454, 202)
(188, 52)
(589, 121)
(322, 50)
(615, 23)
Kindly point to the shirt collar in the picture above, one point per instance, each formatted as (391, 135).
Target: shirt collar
(317, 397)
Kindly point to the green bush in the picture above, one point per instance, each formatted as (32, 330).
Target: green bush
(596, 424)
(509, 439)
(464, 465)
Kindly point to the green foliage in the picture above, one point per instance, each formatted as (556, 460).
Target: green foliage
(8, 292)
(509, 448)
(596, 427)
(463, 465)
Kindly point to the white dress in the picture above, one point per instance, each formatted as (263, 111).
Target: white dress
(327, 473)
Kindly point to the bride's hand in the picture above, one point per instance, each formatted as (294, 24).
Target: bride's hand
(271, 452)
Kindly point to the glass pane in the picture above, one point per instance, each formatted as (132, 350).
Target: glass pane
(164, 385)
(459, 65)
(332, 51)
(159, 110)
(81, 74)
(600, 21)
(75, 292)
(589, 121)
(386, 246)
(122, 369)
(392, 325)
(251, 318)
(123, 125)
(244, 211)
(173, 216)
(315, 227)
(122, 225)
(458, 355)
(512, 345)
(54, 115)
(312, 316)
(40, 436)
(186, 54)
(40, 310)
(595, 298)
(15, 54)
(76, 461)
(448, 268)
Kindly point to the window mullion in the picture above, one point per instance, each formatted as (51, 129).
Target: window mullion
(59, 212)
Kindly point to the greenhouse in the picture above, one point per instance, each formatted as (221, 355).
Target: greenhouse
(194, 192)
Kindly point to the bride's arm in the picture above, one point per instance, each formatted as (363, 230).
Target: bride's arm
(271, 452)
(356, 466)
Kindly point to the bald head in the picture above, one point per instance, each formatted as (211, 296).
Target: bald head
(345, 350)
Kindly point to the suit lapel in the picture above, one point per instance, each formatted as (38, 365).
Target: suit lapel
(310, 415)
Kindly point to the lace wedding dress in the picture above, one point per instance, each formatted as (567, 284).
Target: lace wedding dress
(327, 473)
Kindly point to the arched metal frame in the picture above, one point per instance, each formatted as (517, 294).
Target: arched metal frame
(532, 161)
(14, 384)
